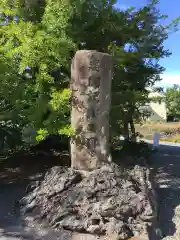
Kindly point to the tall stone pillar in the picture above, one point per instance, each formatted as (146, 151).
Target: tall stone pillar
(91, 76)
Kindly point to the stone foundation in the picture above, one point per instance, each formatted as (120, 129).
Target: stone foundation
(108, 203)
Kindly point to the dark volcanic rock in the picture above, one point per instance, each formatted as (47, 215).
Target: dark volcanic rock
(103, 202)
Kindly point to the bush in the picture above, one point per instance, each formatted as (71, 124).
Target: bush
(10, 137)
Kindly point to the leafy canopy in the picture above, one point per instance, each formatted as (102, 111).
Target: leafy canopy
(39, 39)
(173, 101)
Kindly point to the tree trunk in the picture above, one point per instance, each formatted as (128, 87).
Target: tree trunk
(126, 130)
(133, 131)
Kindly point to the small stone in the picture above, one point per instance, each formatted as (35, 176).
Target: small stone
(29, 207)
(94, 229)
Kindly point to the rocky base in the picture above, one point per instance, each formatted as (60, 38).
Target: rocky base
(107, 202)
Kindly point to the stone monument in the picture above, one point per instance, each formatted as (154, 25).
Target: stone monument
(105, 201)
(91, 76)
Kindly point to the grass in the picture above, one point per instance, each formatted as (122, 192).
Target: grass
(148, 130)
(174, 139)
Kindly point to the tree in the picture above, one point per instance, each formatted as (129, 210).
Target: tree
(44, 48)
(37, 45)
(138, 68)
(173, 101)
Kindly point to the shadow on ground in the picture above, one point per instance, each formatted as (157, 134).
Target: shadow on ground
(15, 175)
(166, 167)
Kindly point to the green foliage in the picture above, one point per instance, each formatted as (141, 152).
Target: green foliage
(60, 99)
(10, 136)
(44, 35)
(173, 101)
(38, 97)
(137, 67)
(41, 134)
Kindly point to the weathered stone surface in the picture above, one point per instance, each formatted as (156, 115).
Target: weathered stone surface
(91, 75)
(106, 202)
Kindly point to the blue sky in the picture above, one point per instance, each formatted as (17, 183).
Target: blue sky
(172, 64)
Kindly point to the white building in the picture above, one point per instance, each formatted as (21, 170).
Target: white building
(157, 109)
